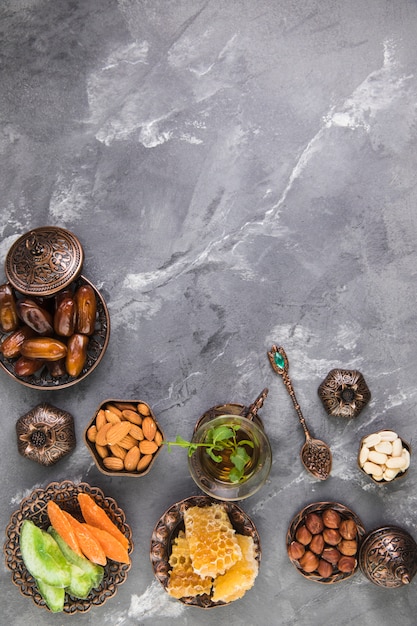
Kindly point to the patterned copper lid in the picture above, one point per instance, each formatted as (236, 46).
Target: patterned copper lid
(43, 261)
(388, 557)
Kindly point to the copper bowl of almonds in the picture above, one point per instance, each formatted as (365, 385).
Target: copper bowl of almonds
(323, 542)
(124, 437)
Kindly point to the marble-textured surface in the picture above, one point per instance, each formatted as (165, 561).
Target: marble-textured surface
(239, 173)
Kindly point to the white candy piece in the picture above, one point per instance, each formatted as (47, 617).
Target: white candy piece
(397, 447)
(363, 455)
(396, 462)
(388, 435)
(390, 474)
(377, 457)
(372, 440)
(385, 447)
(406, 455)
(373, 469)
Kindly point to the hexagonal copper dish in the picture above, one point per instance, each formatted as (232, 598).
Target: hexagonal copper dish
(344, 393)
(116, 409)
(34, 507)
(383, 481)
(45, 434)
(319, 508)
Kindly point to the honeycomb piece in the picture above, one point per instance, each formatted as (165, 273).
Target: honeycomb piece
(211, 538)
(240, 577)
(183, 580)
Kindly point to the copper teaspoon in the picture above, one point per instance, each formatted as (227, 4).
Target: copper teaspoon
(315, 454)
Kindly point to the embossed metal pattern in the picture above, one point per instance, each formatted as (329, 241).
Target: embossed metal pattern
(299, 519)
(388, 557)
(95, 351)
(170, 524)
(344, 393)
(44, 261)
(45, 434)
(34, 508)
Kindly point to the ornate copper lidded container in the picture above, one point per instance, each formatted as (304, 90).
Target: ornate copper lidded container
(388, 557)
(344, 393)
(44, 261)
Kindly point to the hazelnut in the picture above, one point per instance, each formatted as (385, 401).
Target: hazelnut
(346, 564)
(295, 550)
(331, 555)
(348, 547)
(317, 544)
(303, 535)
(331, 536)
(309, 561)
(314, 523)
(325, 569)
(348, 529)
(331, 518)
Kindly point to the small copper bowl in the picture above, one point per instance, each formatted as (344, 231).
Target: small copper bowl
(112, 411)
(97, 346)
(299, 521)
(34, 508)
(384, 478)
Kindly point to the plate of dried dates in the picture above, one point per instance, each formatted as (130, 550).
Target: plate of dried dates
(323, 542)
(56, 341)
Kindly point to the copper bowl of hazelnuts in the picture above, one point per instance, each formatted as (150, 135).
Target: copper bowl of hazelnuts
(323, 542)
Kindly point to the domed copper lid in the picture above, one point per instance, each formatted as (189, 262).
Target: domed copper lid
(44, 261)
(388, 557)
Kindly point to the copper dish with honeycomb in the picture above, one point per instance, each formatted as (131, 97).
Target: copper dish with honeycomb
(34, 507)
(171, 524)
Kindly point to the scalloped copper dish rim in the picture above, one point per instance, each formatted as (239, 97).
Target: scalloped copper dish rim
(99, 461)
(168, 527)
(34, 507)
(95, 352)
(315, 507)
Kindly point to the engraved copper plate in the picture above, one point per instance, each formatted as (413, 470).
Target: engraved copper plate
(34, 508)
(170, 524)
(44, 261)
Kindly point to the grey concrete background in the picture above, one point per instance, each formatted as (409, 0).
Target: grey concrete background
(239, 173)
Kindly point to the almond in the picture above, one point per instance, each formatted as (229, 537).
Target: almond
(100, 419)
(92, 433)
(143, 409)
(111, 417)
(102, 451)
(113, 463)
(158, 439)
(132, 459)
(117, 432)
(101, 437)
(136, 432)
(128, 442)
(118, 451)
(149, 428)
(147, 447)
(132, 416)
(114, 409)
(144, 462)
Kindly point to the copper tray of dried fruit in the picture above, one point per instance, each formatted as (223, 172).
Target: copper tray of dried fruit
(336, 535)
(172, 522)
(95, 351)
(33, 507)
